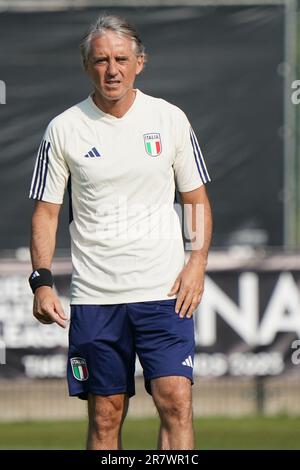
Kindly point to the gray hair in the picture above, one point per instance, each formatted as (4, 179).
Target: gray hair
(111, 23)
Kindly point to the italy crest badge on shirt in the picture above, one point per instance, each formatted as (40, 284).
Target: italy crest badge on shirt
(152, 144)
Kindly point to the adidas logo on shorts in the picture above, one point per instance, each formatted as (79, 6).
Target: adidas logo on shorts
(188, 362)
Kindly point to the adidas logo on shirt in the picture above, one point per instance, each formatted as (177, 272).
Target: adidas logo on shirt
(188, 362)
(93, 153)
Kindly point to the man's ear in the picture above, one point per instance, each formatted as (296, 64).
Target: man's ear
(140, 64)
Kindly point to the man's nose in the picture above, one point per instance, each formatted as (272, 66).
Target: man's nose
(112, 68)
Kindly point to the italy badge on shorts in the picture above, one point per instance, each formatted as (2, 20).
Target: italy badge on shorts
(152, 144)
(79, 368)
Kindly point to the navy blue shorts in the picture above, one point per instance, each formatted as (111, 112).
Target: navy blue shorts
(104, 341)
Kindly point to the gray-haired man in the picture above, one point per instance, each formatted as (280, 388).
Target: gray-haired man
(123, 153)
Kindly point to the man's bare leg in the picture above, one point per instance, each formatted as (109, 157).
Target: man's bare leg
(163, 439)
(106, 417)
(172, 396)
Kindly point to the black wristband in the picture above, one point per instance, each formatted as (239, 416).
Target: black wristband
(40, 277)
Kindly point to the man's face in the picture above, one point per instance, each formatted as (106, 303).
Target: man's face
(113, 65)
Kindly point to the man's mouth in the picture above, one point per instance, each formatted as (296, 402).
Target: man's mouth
(112, 82)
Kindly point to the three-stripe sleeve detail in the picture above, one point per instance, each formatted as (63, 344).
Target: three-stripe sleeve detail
(46, 164)
(199, 158)
(40, 171)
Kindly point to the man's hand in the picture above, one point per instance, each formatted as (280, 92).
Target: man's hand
(47, 307)
(190, 286)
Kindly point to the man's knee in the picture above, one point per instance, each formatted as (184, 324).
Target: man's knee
(173, 399)
(175, 409)
(106, 414)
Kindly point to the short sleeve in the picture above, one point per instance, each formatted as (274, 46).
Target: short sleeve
(189, 165)
(51, 172)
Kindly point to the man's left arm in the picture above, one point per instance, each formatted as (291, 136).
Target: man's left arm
(189, 284)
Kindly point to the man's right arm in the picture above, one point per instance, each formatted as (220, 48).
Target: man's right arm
(46, 305)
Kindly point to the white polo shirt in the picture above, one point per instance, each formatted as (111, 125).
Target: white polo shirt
(126, 239)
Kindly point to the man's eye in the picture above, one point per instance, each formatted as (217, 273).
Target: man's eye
(122, 59)
(100, 61)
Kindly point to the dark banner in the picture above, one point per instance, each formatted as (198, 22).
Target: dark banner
(248, 324)
(221, 65)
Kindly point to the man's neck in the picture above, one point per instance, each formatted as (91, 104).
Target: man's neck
(117, 107)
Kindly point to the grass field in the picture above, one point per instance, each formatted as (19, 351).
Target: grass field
(211, 433)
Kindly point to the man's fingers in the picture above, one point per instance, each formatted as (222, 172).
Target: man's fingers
(51, 313)
(192, 308)
(47, 309)
(43, 319)
(55, 316)
(175, 287)
(59, 310)
(180, 300)
(186, 304)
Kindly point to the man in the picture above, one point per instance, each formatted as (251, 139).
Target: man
(121, 153)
